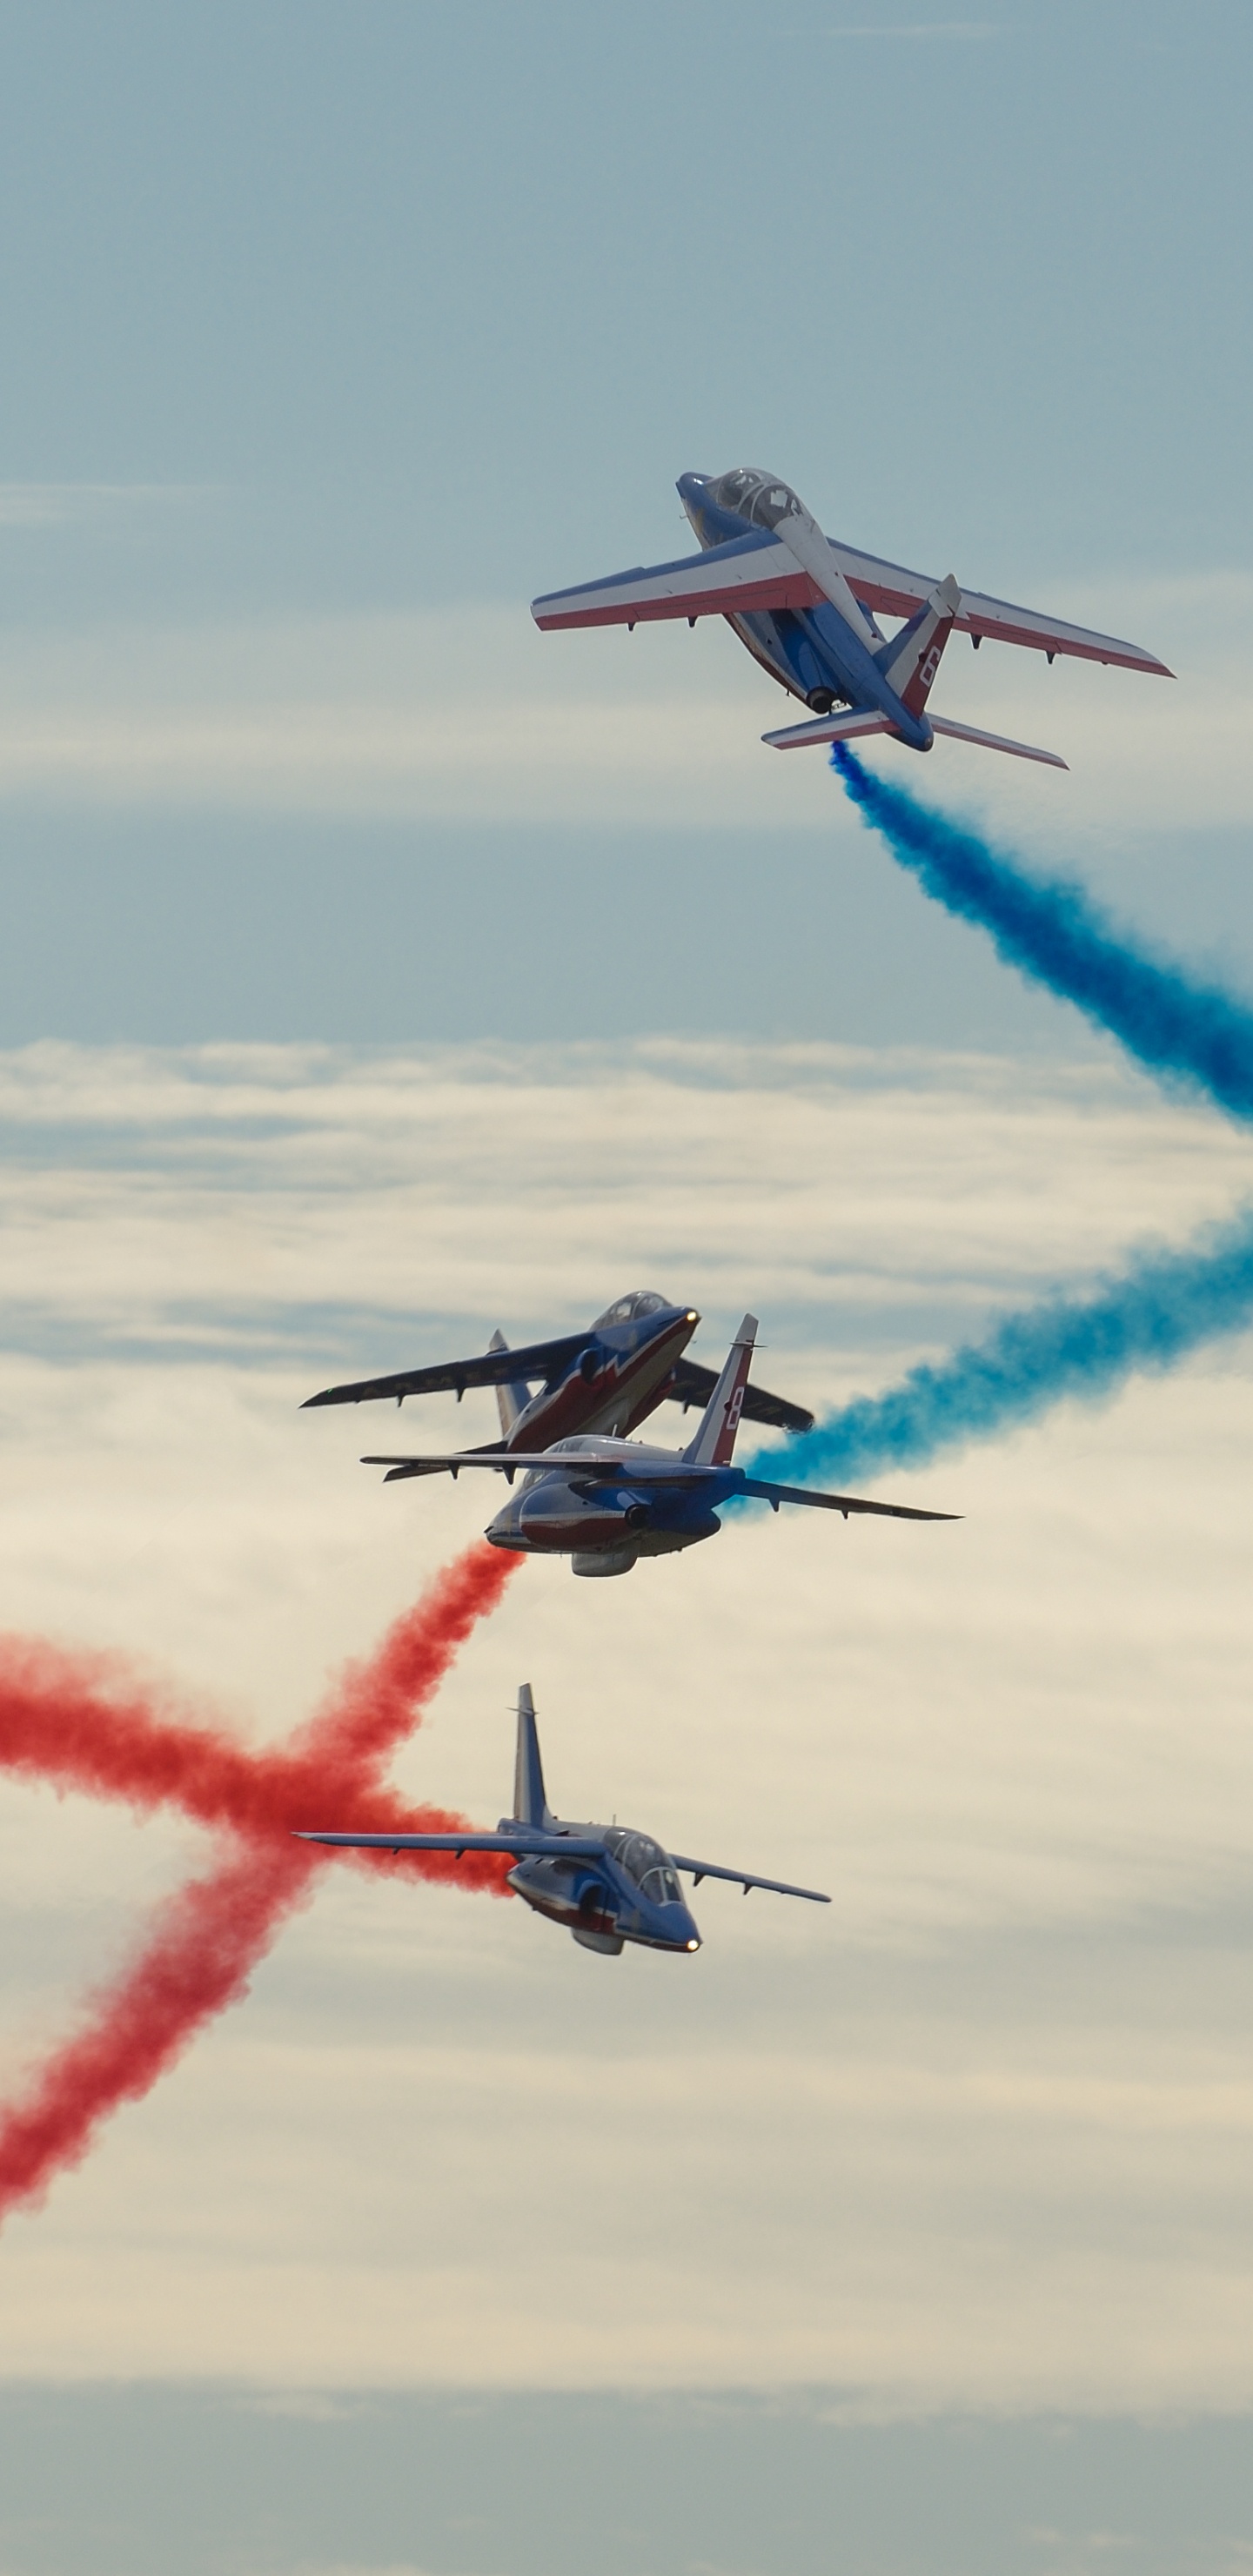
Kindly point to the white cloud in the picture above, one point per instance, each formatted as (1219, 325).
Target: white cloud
(977, 2135)
(469, 715)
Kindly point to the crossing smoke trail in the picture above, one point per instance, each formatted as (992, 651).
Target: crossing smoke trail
(1162, 1306)
(1053, 932)
(1148, 1318)
(84, 1724)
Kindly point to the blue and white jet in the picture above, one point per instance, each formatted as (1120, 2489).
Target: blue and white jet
(606, 1884)
(605, 1502)
(807, 608)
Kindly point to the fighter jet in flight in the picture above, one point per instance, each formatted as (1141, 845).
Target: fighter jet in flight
(608, 1377)
(605, 1502)
(807, 608)
(604, 1883)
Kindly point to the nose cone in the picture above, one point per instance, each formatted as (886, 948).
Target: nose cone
(696, 493)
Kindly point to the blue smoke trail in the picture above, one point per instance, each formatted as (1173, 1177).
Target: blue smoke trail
(1053, 932)
(1149, 1317)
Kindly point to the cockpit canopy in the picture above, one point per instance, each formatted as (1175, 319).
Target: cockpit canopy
(649, 1866)
(756, 496)
(642, 1301)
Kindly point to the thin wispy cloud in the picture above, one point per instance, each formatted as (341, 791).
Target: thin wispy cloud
(54, 505)
(954, 30)
(1010, 1763)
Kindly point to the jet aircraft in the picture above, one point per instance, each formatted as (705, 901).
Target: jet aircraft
(609, 1378)
(807, 608)
(605, 1502)
(604, 1883)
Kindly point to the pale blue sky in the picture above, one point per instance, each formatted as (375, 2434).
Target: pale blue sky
(319, 314)
(313, 312)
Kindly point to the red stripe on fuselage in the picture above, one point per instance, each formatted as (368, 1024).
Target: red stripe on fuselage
(628, 1387)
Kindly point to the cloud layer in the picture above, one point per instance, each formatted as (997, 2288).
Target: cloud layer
(977, 2136)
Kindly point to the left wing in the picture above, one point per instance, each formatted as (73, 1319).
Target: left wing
(744, 1878)
(557, 1846)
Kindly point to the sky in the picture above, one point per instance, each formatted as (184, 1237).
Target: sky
(376, 971)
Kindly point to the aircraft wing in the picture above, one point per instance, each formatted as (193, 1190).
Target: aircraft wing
(555, 1846)
(757, 572)
(748, 572)
(693, 1384)
(846, 1503)
(744, 1878)
(452, 1377)
(590, 1471)
(507, 1462)
(574, 1463)
(890, 588)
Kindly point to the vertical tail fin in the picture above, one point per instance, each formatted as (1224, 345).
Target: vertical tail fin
(720, 1420)
(910, 662)
(513, 1399)
(530, 1804)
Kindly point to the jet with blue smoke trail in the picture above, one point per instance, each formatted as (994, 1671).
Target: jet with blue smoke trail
(604, 1502)
(807, 608)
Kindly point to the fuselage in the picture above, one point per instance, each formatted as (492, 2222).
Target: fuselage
(577, 1507)
(813, 653)
(617, 1380)
(629, 1892)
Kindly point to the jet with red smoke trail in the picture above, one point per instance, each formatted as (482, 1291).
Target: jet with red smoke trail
(604, 1503)
(606, 1378)
(807, 608)
(606, 1884)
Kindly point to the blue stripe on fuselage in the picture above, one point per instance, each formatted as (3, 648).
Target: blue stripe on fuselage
(806, 649)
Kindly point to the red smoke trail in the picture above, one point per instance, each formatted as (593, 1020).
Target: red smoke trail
(84, 1722)
(66, 1718)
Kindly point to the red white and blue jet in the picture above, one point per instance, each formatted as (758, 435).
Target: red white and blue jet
(606, 1884)
(604, 1501)
(609, 1376)
(807, 608)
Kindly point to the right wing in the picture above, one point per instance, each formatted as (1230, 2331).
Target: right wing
(846, 1503)
(495, 1368)
(744, 1878)
(692, 1384)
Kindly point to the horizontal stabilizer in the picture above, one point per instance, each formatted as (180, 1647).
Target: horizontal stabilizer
(846, 727)
(996, 742)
